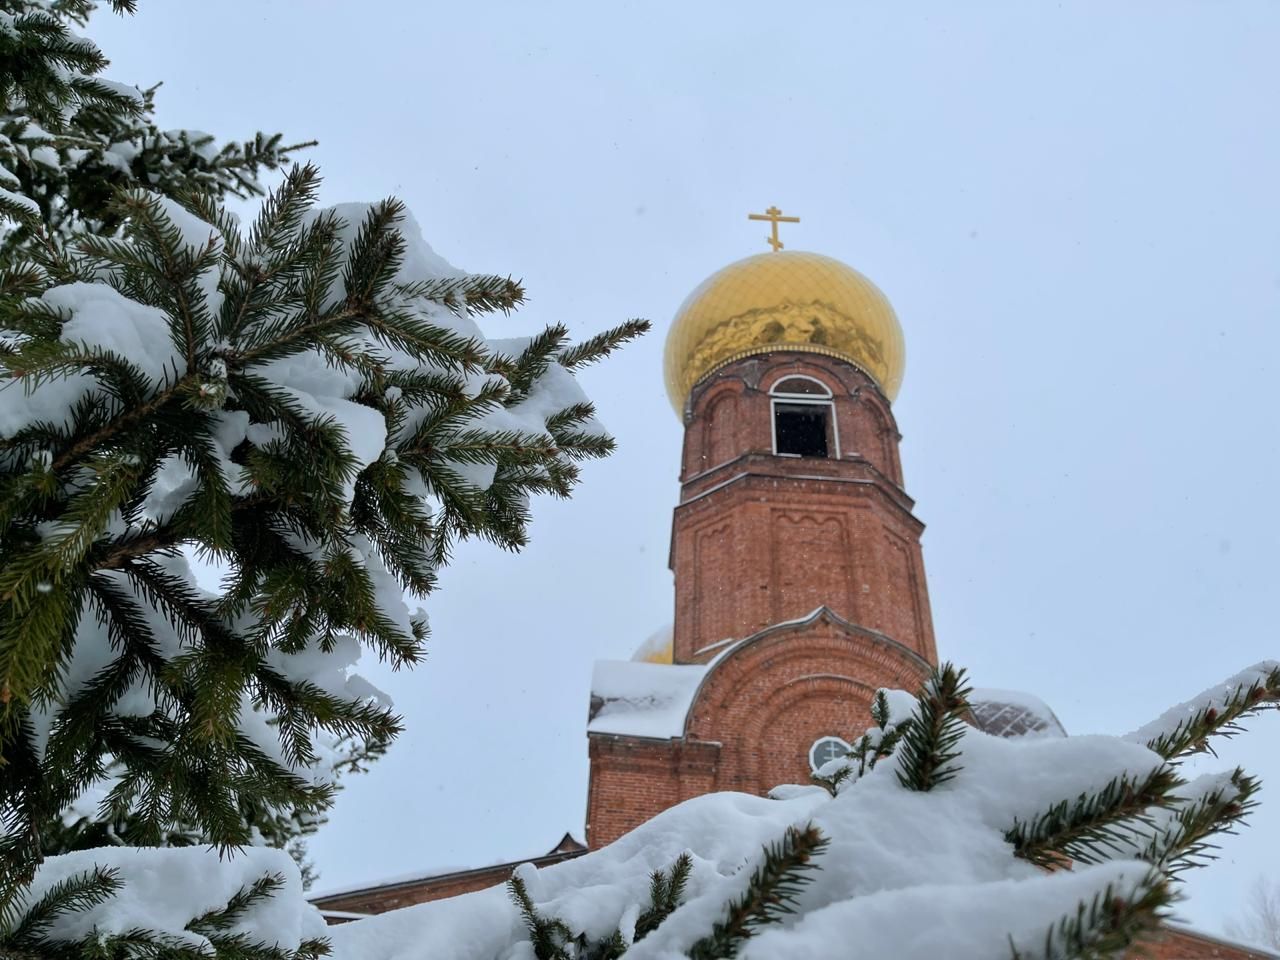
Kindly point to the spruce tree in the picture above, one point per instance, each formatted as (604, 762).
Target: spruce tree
(70, 140)
(308, 403)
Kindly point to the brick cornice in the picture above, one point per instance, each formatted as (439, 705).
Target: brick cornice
(779, 473)
(755, 463)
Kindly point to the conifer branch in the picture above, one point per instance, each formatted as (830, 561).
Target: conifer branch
(770, 894)
(930, 743)
(666, 892)
(477, 293)
(541, 351)
(876, 744)
(74, 894)
(1107, 925)
(245, 430)
(549, 936)
(1179, 836)
(227, 916)
(127, 419)
(602, 344)
(1219, 717)
(1094, 826)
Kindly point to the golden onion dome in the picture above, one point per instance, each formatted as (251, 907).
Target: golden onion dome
(658, 648)
(785, 300)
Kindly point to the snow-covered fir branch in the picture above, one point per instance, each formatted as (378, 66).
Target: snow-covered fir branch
(312, 404)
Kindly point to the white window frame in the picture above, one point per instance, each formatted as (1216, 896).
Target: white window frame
(791, 399)
(821, 740)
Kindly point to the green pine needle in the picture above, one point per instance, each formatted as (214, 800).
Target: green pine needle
(770, 895)
(930, 743)
(1094, 827)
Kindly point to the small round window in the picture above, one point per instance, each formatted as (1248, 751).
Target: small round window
(826, 749)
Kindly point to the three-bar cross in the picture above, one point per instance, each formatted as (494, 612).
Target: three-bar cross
(775, 217)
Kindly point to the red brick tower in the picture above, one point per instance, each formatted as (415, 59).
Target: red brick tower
(792, 500)
(799, 579)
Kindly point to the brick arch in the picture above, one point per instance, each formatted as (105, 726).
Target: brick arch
(720, 427)
(803, 368)
(717, 413)
(774, 693)
(883, 436)
(705, 397)
(796, 714)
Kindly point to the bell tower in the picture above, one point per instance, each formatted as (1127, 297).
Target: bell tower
(799, 580)
(791, 499)
(783, 367)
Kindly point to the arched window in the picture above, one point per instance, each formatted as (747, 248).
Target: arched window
(803, 419)
(804, 386)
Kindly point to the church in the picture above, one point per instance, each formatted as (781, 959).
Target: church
(800, 584)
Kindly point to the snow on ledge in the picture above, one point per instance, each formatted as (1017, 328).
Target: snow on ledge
(641, 699)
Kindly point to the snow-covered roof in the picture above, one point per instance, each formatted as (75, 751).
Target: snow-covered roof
(569, 845)
(642, 699)
(1013, 713)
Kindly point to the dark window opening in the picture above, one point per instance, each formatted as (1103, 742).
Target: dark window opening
(801, 429)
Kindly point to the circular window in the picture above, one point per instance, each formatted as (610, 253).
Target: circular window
(826, 749)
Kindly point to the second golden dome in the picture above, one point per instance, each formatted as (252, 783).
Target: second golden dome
(788, 300)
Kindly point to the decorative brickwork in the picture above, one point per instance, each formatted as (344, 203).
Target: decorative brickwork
(770, 698)
(760, 538)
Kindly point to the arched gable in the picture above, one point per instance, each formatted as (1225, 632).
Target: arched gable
(770, 696)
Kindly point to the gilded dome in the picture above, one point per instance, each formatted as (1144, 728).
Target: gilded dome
(788, 300)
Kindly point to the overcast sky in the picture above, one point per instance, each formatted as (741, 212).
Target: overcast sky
(1073, 208)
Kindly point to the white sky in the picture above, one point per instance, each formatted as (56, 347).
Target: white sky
(1074, 209)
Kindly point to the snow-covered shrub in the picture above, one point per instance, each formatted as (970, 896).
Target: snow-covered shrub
(70, 139)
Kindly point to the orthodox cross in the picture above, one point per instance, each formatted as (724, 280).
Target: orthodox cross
(775, 217)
